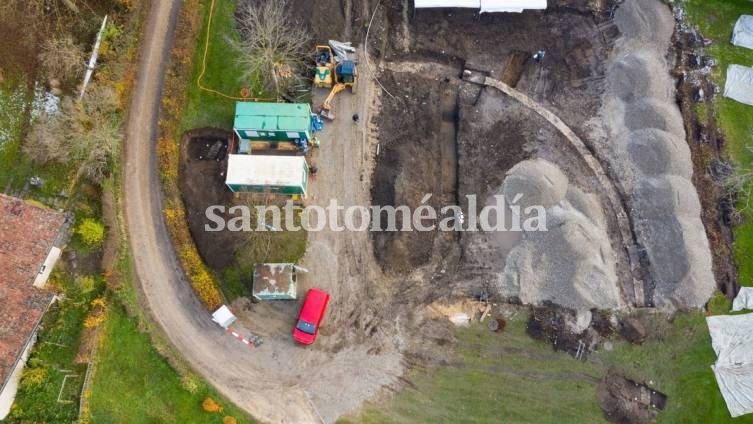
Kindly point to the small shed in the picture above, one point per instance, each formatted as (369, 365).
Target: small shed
(285, 175)
(275, 282)
(272, 121)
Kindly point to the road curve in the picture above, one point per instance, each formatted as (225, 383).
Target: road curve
(220, 359)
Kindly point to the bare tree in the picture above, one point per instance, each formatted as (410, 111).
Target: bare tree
(46, 139)
(85, 134)
(272, 48)
(62, 58)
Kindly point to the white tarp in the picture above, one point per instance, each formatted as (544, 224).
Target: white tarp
(486, 6)
(739, 84)
(744, 299)
(420, 4)
(742, 35)
(732, 340)
(489, 6)
(223, 317)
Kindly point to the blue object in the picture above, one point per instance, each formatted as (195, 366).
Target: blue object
(317, 124)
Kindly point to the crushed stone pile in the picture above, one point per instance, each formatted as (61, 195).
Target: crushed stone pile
(571, 264)
(644, 143)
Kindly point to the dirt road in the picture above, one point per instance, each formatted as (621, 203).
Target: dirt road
(225, 363)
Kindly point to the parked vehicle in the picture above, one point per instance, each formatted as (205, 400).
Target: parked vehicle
(312, 312)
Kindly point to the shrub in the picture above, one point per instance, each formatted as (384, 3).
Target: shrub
(91, 232)
(210, 405)
(190, 383)
(229, 420)
(33, 377)
(718, 304)
(97, 315)
(86, 283)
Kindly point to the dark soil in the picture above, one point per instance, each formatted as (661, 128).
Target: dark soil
(706, 142)
(410, 163)
(549, 323)
(626, 401)
(202, 183)
(430, 115)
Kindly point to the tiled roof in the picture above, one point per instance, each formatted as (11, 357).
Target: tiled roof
(27, 232)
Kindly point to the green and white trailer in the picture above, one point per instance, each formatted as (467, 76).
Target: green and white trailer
(262, 121)
(284, 175)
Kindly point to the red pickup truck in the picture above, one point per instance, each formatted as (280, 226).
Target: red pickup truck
(312, 312)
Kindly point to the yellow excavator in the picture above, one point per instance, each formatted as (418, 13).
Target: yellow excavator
(346, 75)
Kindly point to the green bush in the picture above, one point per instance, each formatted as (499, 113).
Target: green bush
(91, 232)
(718, 304)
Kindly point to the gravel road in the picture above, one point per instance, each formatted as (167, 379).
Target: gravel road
(227, 364)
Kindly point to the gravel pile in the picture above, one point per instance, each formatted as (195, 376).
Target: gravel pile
(645, 145)
(572, 263)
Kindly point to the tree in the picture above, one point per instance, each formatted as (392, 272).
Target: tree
(62, 58)
(92, 232)
(272, 48)
(83, 133)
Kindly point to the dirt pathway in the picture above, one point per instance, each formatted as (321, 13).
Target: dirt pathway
(225, 363)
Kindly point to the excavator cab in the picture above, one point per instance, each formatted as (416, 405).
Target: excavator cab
(347, 74)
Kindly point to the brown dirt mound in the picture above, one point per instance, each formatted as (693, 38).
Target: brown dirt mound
(626, 401)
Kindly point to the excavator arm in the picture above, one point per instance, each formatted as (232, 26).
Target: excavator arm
(332, 93)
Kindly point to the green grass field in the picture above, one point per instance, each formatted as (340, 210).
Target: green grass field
(133, 383)
(203, 108)
(510, 377)
(716, 20)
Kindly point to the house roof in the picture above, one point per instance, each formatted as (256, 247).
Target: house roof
(261, 116)
(27, 233)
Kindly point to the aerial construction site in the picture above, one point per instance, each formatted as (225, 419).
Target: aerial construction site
(550, 200)
(575, 109)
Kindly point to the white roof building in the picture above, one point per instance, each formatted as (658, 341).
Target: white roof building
(285, 175)
(485, 6)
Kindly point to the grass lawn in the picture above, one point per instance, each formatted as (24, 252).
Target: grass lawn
(134, 384)
(203, 108)
(510, 377)
(716, 20)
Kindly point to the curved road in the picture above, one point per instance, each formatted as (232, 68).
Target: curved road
(220, 359)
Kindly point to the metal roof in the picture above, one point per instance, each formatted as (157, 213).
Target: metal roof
(275, 281)
(272, 116)
(269, 171)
